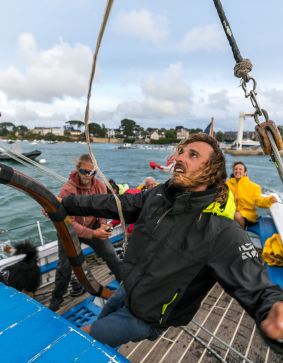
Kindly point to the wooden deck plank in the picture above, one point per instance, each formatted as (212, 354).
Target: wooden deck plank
(193, 354)
(258, 349)
(182, 341)
(136, 355)
(128, 349)
(156, 354)
(274, 357)
(243, 335)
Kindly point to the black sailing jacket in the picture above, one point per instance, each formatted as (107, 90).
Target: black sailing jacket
(176, 254)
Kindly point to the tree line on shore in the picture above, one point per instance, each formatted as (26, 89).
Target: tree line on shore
(128, 130)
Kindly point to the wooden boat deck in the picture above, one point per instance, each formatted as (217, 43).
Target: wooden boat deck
(221, 331)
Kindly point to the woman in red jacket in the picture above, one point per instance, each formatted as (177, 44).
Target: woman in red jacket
(90, 230)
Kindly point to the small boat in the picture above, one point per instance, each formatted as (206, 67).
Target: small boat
(245, 144)
(31, 155)
(126, 146)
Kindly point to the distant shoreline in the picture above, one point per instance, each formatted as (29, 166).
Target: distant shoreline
(98, 140)
(66, 139)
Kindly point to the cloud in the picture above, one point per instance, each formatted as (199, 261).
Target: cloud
(271, 100)
(203, 38)
(26, 114)
(142, 24)
(273, 96)
(219, 100)
(165, 95)
(47, 74)
(169, 86)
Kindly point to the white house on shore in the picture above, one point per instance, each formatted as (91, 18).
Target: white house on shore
(58, 131)
(182, 133)
(75, 133)
(111, 133)
(157, 135)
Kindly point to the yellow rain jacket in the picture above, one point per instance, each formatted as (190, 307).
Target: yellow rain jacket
(273, 251)
(247, 196)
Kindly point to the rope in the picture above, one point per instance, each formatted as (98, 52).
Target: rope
(22, 159)
(86, 118)
(242, 69)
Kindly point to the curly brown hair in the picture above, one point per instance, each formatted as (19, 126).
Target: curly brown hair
(212, 173)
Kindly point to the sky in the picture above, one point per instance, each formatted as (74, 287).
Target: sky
(162, 63)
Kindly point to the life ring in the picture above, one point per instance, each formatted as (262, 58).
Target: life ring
(62, 223)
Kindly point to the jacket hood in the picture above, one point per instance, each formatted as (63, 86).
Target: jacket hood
(185, 201)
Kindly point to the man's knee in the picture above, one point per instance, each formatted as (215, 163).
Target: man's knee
(121, 327)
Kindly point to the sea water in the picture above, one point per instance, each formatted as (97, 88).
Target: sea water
(19, 212)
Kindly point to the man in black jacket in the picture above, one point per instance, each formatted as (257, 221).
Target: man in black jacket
(184, 241)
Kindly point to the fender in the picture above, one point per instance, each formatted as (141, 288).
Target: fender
(62, 223)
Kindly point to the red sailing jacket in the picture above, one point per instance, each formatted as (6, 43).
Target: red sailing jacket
(83, 225)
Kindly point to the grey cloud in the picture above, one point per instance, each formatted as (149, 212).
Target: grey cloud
(164, 95)
(219, 100)
(47, 74)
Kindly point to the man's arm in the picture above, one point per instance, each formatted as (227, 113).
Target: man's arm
(82, 230)
(263, 201)
(235, 263)
(104, 206)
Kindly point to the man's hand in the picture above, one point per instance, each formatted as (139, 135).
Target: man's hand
(102, 232)
(86, 329)
(43, 211)
(272, 326)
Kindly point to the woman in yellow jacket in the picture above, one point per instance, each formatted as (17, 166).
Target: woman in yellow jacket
(247, 195)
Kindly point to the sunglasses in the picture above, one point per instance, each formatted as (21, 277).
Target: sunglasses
(87, 172)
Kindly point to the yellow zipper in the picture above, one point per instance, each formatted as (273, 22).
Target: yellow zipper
(165, 306)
